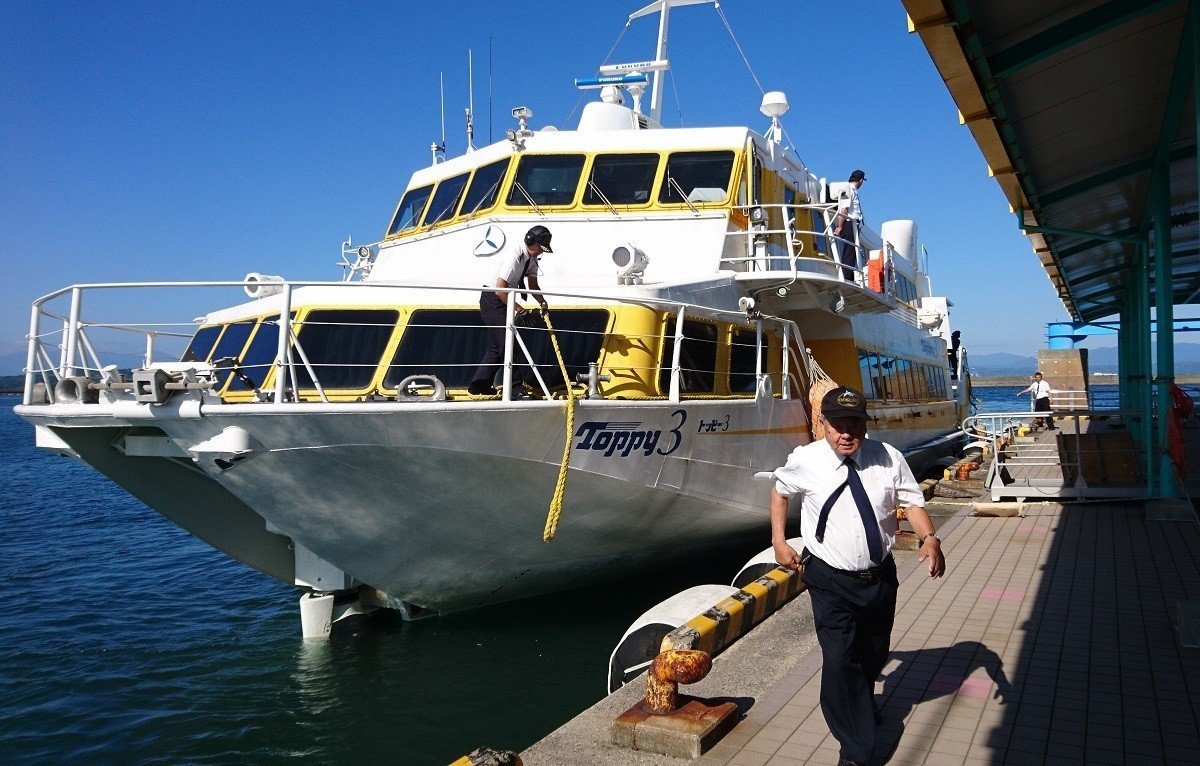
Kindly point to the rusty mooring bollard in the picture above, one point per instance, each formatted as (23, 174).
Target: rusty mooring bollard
(660, 724)
(669, 669)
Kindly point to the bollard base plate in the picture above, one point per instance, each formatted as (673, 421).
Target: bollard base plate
(688, 732)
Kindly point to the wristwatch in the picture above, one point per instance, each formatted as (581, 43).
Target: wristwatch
(926, 537)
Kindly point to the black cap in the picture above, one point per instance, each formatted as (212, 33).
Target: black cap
(844, 402)
(540, 236)
(858, 175)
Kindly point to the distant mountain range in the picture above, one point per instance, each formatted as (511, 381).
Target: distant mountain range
(1187, 360)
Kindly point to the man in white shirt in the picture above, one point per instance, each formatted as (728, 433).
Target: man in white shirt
(1041, 400)
(845, 225)
(520, 268)
(850, 489)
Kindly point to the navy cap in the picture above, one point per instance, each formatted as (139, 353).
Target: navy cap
(844, 402)
(858, 175)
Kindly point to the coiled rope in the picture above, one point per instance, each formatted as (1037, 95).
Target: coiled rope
(560, 486)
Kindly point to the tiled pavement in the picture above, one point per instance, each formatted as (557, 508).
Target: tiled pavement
(1050, 640)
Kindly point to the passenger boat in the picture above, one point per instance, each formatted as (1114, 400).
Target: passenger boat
(322, 432)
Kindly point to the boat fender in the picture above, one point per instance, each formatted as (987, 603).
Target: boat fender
(407, 390)
(75, 390)
(643, 640)
(761, 563)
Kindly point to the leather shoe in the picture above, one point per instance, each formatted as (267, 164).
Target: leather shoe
(481, 388)
(848, 762)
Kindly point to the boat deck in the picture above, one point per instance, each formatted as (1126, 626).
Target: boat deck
(1050, 640)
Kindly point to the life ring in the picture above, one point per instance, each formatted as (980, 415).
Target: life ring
(406, 389)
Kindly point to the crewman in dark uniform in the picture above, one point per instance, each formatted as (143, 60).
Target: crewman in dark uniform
(518, 269)
(850, 489)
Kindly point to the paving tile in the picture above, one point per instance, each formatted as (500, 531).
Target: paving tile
(749, 758)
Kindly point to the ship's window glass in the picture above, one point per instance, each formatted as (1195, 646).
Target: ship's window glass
(259, 356)
(547, 179)
(622, 179)
(230, 345)
(818, 224)
(696, 177)
(344, 346)
(485, 188)
(412, 204)
(868, 367)
(449, 343)
(920, 381)
(201, 344)
(445, 200)
(580, 335)
(743, 355)
(697, 357)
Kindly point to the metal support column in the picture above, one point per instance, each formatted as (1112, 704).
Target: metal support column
(1164, 295)
(1139, 276)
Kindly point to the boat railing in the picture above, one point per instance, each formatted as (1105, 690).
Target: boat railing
(774, 241)
(63, 343)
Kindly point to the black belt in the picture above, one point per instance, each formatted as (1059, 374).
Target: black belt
(874, 574)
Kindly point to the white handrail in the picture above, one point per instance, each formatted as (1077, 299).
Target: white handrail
(74, 338)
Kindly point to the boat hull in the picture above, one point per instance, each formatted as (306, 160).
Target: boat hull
(442, 506)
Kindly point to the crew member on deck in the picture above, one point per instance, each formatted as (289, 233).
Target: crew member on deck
(517, 269)
(845, 225)
(1041, 400)
(850, 488)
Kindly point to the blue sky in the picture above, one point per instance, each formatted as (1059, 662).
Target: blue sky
(181, 141)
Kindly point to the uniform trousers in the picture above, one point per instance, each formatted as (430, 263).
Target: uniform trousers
(849, 253)
(494, 315)
(853, 619)
(1043, 405)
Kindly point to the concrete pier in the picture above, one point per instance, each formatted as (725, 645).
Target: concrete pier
(1053, 638)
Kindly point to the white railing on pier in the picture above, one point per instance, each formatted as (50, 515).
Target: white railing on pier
(1026, 467)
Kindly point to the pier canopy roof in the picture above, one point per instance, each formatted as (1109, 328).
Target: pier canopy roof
(1074, 105)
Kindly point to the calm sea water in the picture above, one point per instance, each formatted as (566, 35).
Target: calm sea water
(126, 639)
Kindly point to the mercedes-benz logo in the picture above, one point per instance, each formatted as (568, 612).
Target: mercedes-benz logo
(492, 242)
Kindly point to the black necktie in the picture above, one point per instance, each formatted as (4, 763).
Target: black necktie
(865, 511)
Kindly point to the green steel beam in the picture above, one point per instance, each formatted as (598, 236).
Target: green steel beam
(1092, 235)
(1165, 314)
(1083, 279)
(1113, 174)
(1181, 84)
(1075, 30)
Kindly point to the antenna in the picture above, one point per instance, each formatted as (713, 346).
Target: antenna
(470, 100)
(663, 9)
(489, 89)
(439, 150)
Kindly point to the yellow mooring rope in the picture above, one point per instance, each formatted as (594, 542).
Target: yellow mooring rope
(560, 487)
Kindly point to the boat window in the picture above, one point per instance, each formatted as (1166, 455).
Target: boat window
(485, 187)
(259, 357)
(201, 344)
(412, 204)
(621, 179)
(448, 343)
(230, 346)
(547, 179)
(697, 357)
(743, 353)
(344, 346)
(868, 363)
(445, 200)
(696, 177)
